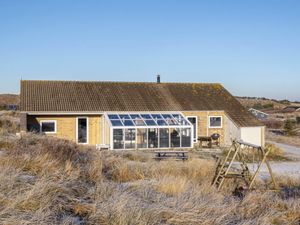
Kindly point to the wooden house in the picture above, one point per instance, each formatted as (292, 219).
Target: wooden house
(136, 115)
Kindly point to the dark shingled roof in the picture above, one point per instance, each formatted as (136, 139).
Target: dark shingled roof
(78, 96)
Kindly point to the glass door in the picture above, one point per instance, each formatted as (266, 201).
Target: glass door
(82, 130)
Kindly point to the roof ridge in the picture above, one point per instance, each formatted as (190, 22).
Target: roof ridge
(123, 82)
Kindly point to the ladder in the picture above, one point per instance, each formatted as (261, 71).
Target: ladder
(227, 170)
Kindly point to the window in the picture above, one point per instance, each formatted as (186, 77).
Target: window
(215, 121)
(175, 137)
(118, 142)
(152, 138)
(82, 130)
(48, 126)
(141, 138)
(186, 137)
(164, 138)
(193, 121)
(129, 138)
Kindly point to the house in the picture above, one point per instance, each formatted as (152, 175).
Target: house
(136, 115)
(259, 114)
(291, 109)
(12, 107)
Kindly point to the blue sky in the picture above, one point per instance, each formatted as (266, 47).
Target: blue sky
(251, 47)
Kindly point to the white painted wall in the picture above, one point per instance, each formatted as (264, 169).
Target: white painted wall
(253, 135)
(232, 132)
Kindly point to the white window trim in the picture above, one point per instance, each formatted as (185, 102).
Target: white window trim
(209, 126)
(49, 121)
(87, 130)
(195, 139)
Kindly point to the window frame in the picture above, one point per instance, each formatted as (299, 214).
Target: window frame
(215, 127)
(87, 130)
(195, 139)
(48, 121)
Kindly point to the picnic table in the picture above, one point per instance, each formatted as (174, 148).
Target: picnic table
(159, 155)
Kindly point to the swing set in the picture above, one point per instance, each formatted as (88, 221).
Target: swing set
(239, 152)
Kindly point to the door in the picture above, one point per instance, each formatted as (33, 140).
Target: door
(82, 130)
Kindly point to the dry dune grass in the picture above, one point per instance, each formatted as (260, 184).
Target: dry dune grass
(49, 181)
(9, 122)
(289, 140)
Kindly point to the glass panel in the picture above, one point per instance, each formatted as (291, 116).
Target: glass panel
(150, 122)
(176, 116)
(193, 121)
(141, 138)
(164, 138)
(171, 121)
(161, 123)
(116, 123)
(124, 116)
(118, 139)
(139, 122)
(48, 127)
(113, 116)
(130, 138)
(82, 130)
(146, 116)
(175, 137)
(181, 120)
(152, 137)
(133, 116)
(215, 121)
(166, 116)
(156, 116)
(186, 137)
(128, 123)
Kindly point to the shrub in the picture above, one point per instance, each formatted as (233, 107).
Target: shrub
(289, 127)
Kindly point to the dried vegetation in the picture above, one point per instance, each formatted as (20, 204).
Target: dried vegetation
(44, 180)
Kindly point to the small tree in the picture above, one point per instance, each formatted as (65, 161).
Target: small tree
(289, 127)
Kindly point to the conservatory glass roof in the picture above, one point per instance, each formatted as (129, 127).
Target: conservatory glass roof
(147, 119)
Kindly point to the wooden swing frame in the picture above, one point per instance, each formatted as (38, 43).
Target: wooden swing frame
(225, 171)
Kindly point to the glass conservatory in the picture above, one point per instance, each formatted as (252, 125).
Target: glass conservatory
(153, 130)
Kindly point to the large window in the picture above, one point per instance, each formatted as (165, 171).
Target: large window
(175, 137)
(141, 138)
(152, 138)
(193, 121)
(118, 141)
(48, 126)
(82, 130)
(164, 138)
(130, 138)
(215, 121)
(186, 137)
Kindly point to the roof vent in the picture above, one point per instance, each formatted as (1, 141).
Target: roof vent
(158, 79)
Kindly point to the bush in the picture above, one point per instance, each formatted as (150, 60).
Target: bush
(289, 127)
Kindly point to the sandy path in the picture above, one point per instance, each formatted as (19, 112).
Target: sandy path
(291, 168)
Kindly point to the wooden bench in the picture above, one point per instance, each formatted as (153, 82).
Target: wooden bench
(102, 147)
(160, 155)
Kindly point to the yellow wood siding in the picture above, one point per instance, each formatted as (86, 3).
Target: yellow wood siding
(66, 126)
(203, 126)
